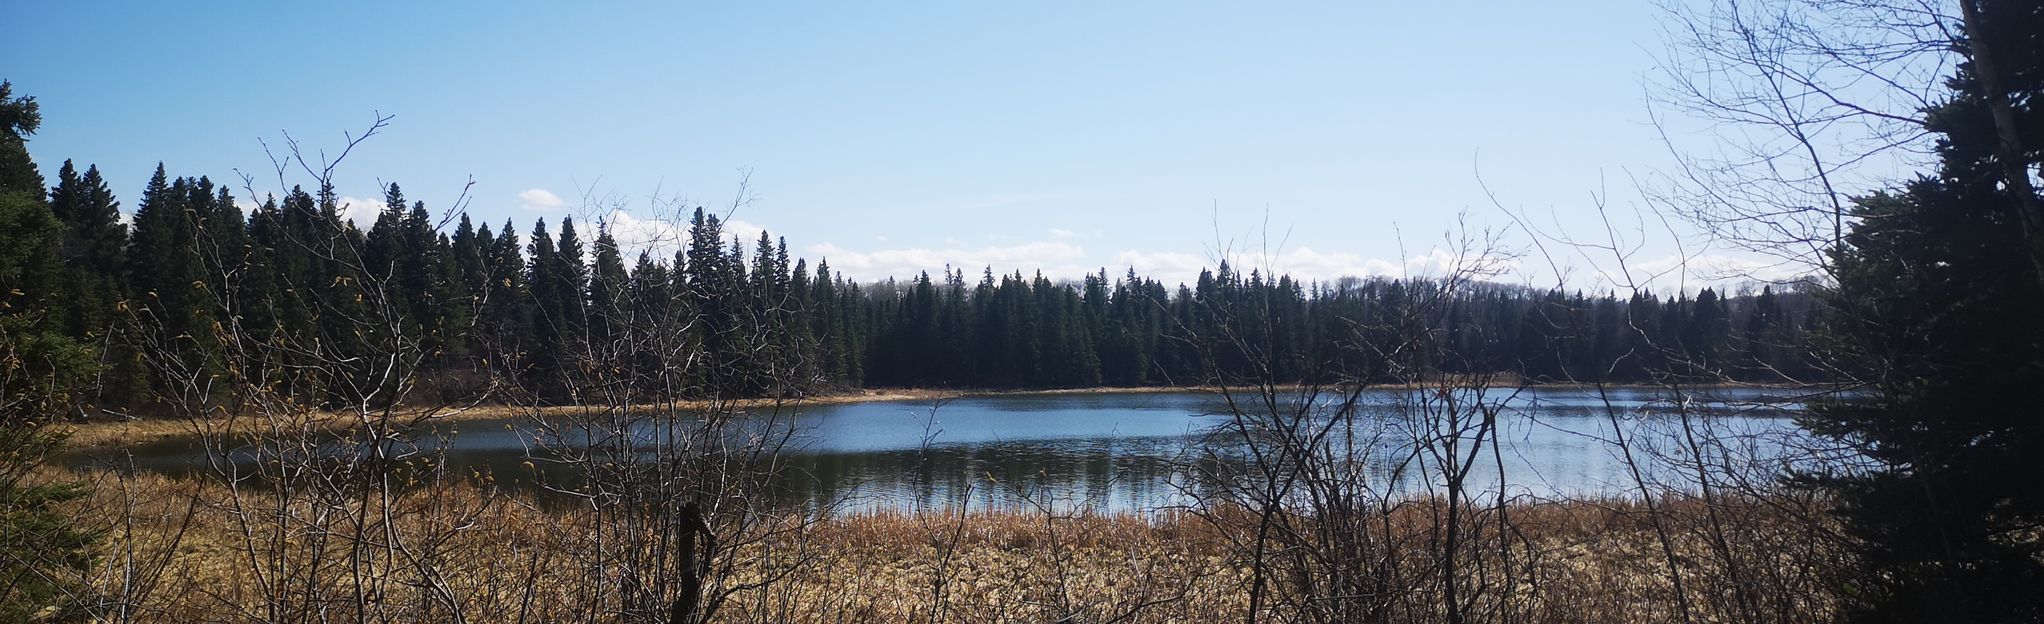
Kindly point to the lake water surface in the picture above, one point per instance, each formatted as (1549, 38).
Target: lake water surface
(1142, 451)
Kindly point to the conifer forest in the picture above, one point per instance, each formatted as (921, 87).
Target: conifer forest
(1778, 363)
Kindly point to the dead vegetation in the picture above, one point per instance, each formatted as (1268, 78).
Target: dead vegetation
(506, 559)
(326, 494)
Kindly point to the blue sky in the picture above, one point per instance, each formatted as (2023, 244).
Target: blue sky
(1339, 138)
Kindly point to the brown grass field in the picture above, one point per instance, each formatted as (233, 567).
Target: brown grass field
(506, 559)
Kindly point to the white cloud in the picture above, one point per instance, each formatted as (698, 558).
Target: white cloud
(660, 237)
(745, 231)
(1059, 259)
(1692, 273)
(362, 212)
(1055, 259)
(540, 200)
(1165, 266)
(633, 234)
(1063, 233)
(1305, 264)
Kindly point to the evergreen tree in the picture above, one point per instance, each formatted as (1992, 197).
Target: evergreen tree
(712, 281)
(422, 278)
(506, 316)
(471, 300)
(570, 279)
(19, 118)
(1939, 303)
(463, 277)
(1758, 337)
(1704, 333)
(608, 316)
(41, 371)
(384, 246)
(174, 289)
(92, 251)
(647, 311)
(544, 373)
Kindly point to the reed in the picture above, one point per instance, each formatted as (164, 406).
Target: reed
(168, 556)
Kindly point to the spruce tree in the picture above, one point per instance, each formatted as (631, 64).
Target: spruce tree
(608, 316)
(1758, 337)
(506, 321)
(174, 292)
(570, 278)
(544, 374)
(422, 278)
(1937, 301)
(42, 370)
(93, 249)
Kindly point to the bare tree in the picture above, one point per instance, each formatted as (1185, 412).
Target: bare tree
(335, 480)
(1801, 105)
(1320, 483)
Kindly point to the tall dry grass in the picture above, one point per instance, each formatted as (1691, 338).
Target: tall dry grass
(165, 557)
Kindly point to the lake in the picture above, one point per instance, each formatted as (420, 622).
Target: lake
(1143, 451)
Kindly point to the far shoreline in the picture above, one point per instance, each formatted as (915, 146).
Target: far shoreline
(100, 434)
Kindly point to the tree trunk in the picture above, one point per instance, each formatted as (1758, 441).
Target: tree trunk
(688, 600)
(2009, 148)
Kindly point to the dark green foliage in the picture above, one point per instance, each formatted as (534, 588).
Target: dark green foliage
(569, 275)
(93, 252)
(31, 279)
(1013, 331)
(19, 118)
(194, 296)
(186, 262)
(504, 316)
(480, 301)
(544, 373)
(607, 282)
(1939, 306)
(40, 549)
(297, 279)
(43, 369)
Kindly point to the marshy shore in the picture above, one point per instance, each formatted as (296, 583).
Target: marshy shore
(502, 558)
(102, 433)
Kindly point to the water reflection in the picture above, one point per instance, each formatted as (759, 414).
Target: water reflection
(1138, 451)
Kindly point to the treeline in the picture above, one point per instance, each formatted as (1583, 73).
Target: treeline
(196, 290)
(1016, 331)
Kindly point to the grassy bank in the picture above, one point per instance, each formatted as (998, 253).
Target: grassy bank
(117, 432)
(180, 550)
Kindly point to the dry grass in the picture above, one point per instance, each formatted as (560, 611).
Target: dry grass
(114, 432)
(509, 560)
(110, 432)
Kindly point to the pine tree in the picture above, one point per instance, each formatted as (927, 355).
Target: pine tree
(1704, 333)
(1759, 338)
(167, 268)
(384, 249)
(1938, 302)
(422, 278)
(19, 118)
(92, 251)
(507, 314)
(41, 372)
(608, 316)
(544, 374)
(570, 279)
(463, 278)
(648, 312)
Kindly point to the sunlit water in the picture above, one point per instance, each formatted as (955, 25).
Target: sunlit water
(1122, 452)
